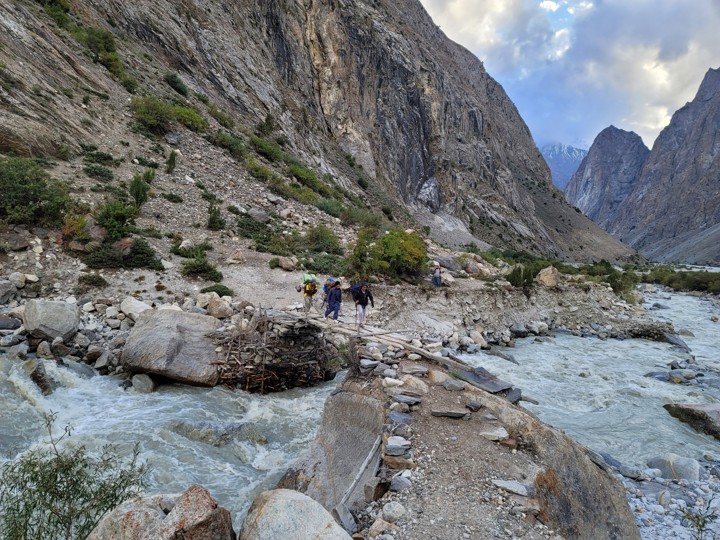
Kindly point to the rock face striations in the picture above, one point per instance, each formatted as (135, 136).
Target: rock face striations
(607, 175)
(673, 213)
(374, 84)
(563, 161)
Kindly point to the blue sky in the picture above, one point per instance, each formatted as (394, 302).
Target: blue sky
(574, 67)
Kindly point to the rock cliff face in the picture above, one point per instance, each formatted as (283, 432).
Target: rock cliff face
(374, 83)
(563, 161)
(673, 213)
(607, 175)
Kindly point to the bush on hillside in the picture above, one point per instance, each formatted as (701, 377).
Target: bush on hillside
(117, 218)
(201, 268)
(221, 290)
(153, 113)
(322, 239)
(176, 83)
(142, 256)
(139, 190)
(29, 195)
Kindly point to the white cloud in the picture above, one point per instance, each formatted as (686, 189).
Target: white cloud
(549, 5)
(576, 69)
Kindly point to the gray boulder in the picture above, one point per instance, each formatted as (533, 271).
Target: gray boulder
(675, 467)
(132, 307)
(173, 344)
(7, 291)
(218, 433)
(143, 384)
(703, 417)
(48, 319)
(284, 513)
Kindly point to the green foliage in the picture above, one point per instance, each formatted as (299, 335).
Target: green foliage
(259, 172)
(202, 98)
(358, 216)
(201, 268)
(190, 118)
(274, 263)
(322, 239)
(100, 42)
(223, 118)
(221, 290)
(147, 163)
(523, 275)
(308, 178)
(142, 256)
(102, 158)
(148, 175)
(215, 220)
(472, 248)
(139, 190)
(55, 493)
(129, 83)
(117, 218)
(29, 195)
(403, 252)
(176, 83)
(363, 183)
(171, 162)
(331, 207)
(685, 281)
(267, 149)
(193, 252)
(153, 113)
(234, 210)
(329, 264)
(172, 197)
(59, 11)
(93, 170)
(267, 126)
(92, 280)
(229, 142)
(699, 518)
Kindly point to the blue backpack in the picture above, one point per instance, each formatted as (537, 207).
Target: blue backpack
(355, 291)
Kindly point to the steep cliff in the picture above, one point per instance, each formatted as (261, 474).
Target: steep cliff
(607, 175)
(370, 83)
(563, 161)
(673, 212)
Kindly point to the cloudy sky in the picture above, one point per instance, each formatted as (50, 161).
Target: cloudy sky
(574, 67)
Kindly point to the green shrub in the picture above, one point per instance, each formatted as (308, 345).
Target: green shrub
(139, 190)
(267, 126)
(92, 280)
(142, 256)
(172, 197)
(229, 142)
(153, 113)
(99, 42)
(234, 210)
(58, 10)
(93, 170)
(194, 252)
(171, 162)
(53, 493)
(685, 281)
(176, 83)
(147, 163)
(224, 119)
(190, 118)
(523, 275)
(117, 217)
(29, 195)
(267, 149)
(308, 178)
(359, 216)
(201, 268)
(363, 183)
(320, 238)
(221, 290)
(326, 263)
(202, 98)
(331, 207)
(102, 158)
(404, 253)
(215, 220)
(129, 83)
(274, 262)
(259, 172)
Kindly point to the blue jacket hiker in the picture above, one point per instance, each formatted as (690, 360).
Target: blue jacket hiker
(334, 298)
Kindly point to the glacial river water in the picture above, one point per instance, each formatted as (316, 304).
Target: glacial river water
(99, 412)
(597, 392)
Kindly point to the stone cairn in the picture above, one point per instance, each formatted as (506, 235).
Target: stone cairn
(275, 352)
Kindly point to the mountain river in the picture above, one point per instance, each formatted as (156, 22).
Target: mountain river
(594, 390)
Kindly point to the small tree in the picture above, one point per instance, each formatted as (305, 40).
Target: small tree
(139, 190)
(63, 494)
(171, 162)
(215, 220)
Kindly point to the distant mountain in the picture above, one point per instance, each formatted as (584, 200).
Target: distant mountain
(673, 212)
(563, 161)
(607, 175)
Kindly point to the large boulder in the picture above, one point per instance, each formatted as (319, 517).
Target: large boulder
(702, 417)
(350, 425)
(674, 467)
(193, 516)
(47, 319)
(132, 307)
(284, 513)
(174, 345)
(548, 277)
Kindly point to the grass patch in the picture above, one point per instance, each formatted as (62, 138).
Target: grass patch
(221, 290)
(201, 268)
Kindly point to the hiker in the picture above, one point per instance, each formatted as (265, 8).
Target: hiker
(329, 282)
(362, 296)
(309, 289)
(436, 279)
(334, 299)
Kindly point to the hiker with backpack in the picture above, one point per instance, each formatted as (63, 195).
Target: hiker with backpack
(334, 299)
(361, 295)
(309, 289)
(329, 282)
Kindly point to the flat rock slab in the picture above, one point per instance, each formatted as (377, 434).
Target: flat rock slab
(704, 418)
(515, 487)
(485, 380)
(49, 319)
(399, 418)
(408, 400)
(493, 433)
(450, 413)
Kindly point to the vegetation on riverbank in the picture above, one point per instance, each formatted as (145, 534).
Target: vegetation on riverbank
(685, 280)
